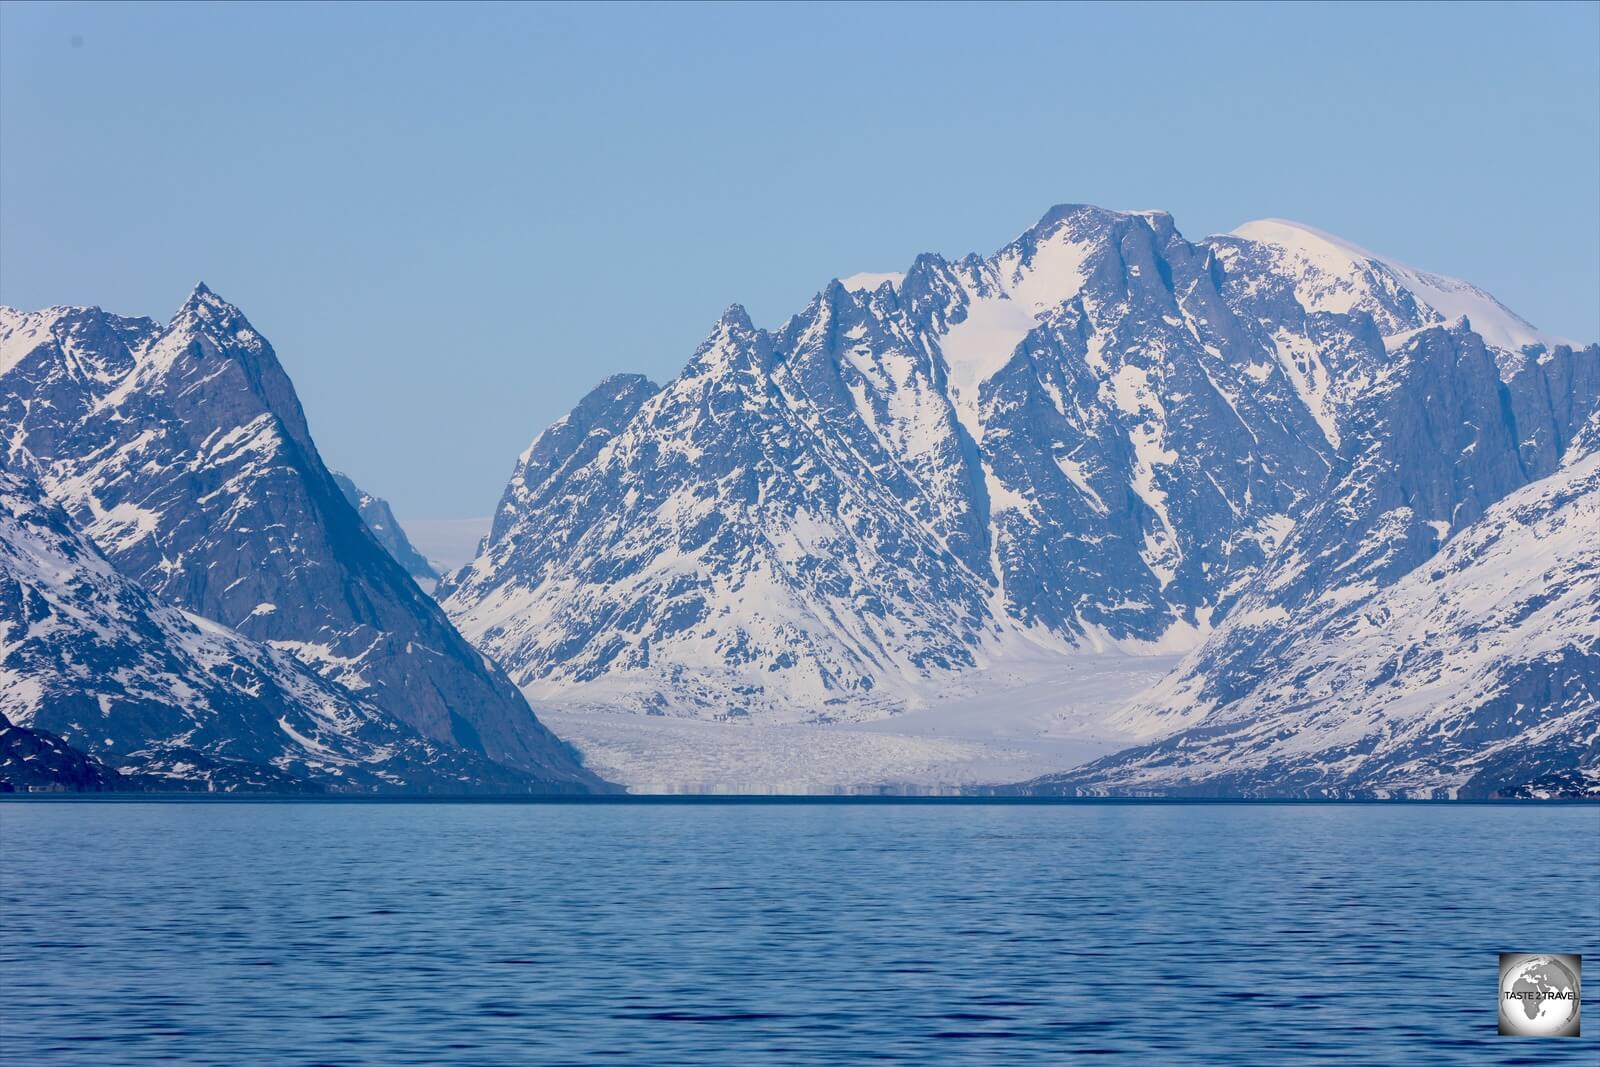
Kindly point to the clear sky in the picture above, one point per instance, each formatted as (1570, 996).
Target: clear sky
(453, 221)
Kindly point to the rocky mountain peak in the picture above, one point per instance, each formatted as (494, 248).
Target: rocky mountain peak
(190, 465)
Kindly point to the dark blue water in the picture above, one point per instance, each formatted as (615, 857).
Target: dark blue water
(739, 934)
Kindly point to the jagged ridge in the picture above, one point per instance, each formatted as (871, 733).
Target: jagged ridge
(1103, 436)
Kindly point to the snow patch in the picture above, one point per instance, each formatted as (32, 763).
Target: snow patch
(1449, 298)
(869, 281)
(1001, 315)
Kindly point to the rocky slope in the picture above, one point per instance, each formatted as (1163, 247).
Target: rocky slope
(1439, 438)
(168, 699)
(182, 451)
(1475, 674)
(375, 512)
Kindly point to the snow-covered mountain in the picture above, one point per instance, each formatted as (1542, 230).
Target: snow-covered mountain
(182, 452)
(1103, 438)
(169, 698)
(1474, 674)
(375, 512)
(1037, 448)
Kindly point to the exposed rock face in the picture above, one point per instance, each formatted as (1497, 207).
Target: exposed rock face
(375, 512)
(1474, 674)
(183, 453)
(163, 699)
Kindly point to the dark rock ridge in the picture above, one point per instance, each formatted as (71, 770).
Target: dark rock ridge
(375, 512)
(35, 761)
(182, 451)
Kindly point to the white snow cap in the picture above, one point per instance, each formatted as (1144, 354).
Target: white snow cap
(869, 281)
(1451, 298)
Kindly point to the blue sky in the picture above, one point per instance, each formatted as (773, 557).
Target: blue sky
(453, 221)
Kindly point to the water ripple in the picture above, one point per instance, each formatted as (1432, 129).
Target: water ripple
(288, 934)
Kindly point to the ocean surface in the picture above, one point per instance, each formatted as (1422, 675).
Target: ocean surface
(748, 933)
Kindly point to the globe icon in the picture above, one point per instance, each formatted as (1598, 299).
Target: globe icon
(1539, 997)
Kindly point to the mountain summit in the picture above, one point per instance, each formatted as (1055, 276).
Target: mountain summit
(182, 453)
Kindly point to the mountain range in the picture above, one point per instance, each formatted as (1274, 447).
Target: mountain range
(1348, 502)
(1102, 439)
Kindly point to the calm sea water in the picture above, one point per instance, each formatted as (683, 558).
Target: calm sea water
(751, 933)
